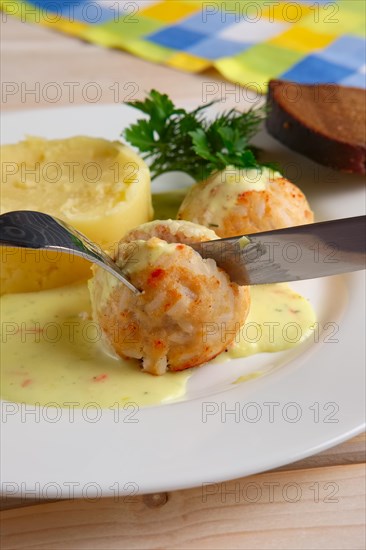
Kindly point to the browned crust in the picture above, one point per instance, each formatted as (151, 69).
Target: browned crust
(286, 122)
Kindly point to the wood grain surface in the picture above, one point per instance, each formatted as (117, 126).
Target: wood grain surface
(308, 508)
(317, 503)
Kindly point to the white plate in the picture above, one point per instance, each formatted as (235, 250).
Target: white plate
(312, 397)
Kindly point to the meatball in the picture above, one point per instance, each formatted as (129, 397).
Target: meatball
(188, 311)
(239, 202)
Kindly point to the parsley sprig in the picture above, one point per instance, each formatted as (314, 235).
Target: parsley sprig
(173, 139)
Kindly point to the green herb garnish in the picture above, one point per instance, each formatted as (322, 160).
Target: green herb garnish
(174, 139)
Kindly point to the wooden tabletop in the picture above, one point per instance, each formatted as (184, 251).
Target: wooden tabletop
(330, 514)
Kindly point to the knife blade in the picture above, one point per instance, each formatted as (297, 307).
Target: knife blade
(291, 254)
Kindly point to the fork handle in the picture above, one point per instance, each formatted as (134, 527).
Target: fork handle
(28, 229)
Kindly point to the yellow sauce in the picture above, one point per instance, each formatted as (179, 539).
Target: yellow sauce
(278, 319)
(52, 351)
(144, 254)
(166, 205)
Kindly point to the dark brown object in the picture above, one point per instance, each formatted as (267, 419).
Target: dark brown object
(325, 122)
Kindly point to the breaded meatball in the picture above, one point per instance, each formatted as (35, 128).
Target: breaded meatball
(242, 201)
(188, 311)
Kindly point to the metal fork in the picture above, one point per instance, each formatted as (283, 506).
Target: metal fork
(29, 229)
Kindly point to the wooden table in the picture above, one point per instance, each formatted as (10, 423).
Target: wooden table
(32, 58)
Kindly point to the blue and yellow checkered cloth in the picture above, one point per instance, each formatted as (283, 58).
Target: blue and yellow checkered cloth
(248, 42)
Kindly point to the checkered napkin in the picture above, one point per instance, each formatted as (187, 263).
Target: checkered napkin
(248, 42)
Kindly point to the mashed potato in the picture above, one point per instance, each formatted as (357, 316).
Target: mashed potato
(100, 187)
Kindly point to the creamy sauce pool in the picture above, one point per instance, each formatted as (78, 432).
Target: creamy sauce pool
(51, 349)
(278, 319)
(52, 352)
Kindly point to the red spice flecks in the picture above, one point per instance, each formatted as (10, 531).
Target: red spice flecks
(156, 275)
(159, 344)
(100, 377)
(241, 197)
(179, 246)
(26, 383)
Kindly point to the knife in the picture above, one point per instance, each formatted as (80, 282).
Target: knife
(291, 254)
